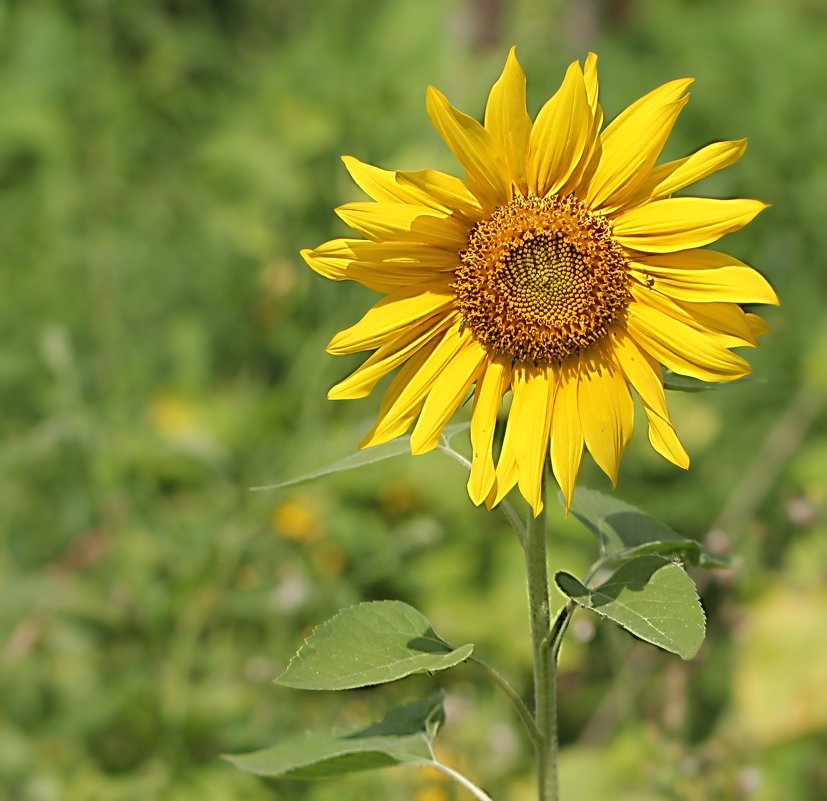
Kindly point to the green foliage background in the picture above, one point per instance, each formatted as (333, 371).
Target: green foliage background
(161, 163)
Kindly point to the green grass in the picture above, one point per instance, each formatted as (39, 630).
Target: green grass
(161, 164)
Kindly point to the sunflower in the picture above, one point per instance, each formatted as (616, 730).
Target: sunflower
(561, 269)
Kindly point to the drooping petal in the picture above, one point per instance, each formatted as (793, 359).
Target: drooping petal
(566, 431)
(561, 136)
(607, 414)
(644, 375)
(682, 348)
(409, 306)
(404, 222)
(507, 120)
(631, 144)
(725, 323)
(412, 396)
(446, 394)
(532, 405)
(386, 428)
(664, 439)
(679, 223)
(640, 369)
(474, 148)
(388, 357)
(507, 472)
(487, 399)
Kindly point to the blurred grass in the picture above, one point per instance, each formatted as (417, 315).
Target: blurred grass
(160, 166)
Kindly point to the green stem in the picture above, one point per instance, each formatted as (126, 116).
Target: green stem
(522, 709)
(464, 781)
(506, 507)
(545, 667)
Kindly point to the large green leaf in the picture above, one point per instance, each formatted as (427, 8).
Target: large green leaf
(625, 531)
(370, 643)
(649, 596)
(403, 736)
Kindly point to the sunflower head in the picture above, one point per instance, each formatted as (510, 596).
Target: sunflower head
(561, 272)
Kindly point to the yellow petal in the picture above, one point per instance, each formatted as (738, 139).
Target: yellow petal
(631, 144)
(506, 474)
(411, 397)
(430, 188)
(723, 322)
(388, 357)
(382, 221)
(675, 175)
(643, 373)
(590, 80)
(507, 120)
(535, 390)
(409, 306)
(365, 252)
(640, 369)
(682, 222)
(446, 394)
(702, 276)
(607, 413)
(758, 325)
(566, 432)
(474, 148)
(561, 135)
(443, 192)
(580, 178)
(330, 259)
(681, 347)
(401, 422)
(487, 399)
(382, 185)
(381, 266)
(664, 439)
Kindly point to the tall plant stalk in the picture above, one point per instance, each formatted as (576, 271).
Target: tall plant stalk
(545, 669)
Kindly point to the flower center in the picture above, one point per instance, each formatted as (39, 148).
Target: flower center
(541, 278)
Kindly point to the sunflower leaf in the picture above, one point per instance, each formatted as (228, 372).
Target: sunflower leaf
(370, 643)
(403, 736)
(651, 597)
(624, 531)
(684, 383)
(376, 453)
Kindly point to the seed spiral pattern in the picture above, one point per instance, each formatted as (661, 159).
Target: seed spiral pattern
(541, 278)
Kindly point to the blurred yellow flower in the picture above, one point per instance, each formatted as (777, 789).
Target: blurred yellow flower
(295, 519)
(560, 269)
(174, 417)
